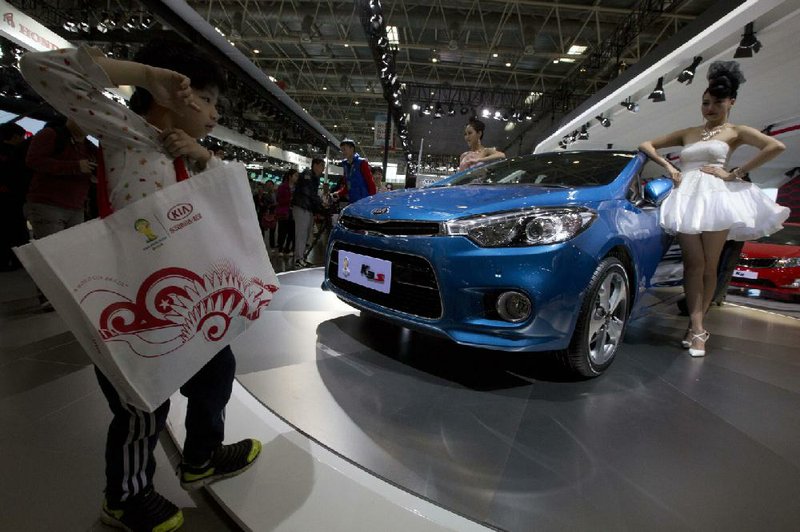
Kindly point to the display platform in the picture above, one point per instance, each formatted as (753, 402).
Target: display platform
(662, 441)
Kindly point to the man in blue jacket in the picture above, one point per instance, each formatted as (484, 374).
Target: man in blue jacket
(357, 181)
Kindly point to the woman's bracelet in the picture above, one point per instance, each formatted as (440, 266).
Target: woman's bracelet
(736, 174)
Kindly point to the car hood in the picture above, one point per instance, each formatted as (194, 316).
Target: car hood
(446, 203)
(759, 250)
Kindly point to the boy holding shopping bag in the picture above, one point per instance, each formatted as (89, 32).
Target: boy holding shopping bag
(146, 148)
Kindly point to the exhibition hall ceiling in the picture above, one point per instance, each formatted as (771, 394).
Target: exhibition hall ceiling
(468, 53)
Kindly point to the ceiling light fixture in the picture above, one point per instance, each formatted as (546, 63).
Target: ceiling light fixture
(688, 73)
(630, 106)
(605, 122)
(749, 44)
(658, 94)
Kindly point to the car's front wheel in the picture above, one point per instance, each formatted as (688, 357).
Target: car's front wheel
(601, 323)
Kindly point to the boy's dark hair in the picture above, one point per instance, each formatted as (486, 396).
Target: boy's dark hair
(376, 169)
(182, 57)
(317, 160)
(9, 130)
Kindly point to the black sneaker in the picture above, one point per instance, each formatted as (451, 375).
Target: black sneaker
(146, 512)
(227, 461)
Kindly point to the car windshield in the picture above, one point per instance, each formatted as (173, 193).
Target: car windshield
(788, 236)
(560, 170)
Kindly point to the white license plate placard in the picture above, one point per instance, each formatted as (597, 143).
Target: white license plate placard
(745, 274)
(365, 271)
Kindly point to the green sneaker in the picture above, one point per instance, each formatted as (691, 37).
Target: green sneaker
(145, 512)
(227, 461)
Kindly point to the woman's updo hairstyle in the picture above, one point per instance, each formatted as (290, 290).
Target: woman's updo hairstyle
(477, 125)
(724, 78)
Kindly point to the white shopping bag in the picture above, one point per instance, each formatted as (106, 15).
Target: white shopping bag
(155, 290)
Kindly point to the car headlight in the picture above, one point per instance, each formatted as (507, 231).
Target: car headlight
(529, 227)
(793, 262)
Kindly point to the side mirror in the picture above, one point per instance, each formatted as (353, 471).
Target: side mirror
(657, 190)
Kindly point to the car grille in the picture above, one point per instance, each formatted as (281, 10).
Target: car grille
(752, 282)
(390, 227)
(757, 263)
(414, 288)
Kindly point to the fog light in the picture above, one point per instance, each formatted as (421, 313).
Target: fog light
(513, 306)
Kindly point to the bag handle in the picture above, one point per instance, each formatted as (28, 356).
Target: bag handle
(103, 199)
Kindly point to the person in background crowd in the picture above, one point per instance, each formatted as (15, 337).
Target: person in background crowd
(14, 181)
(356, 181)
(477, 153)
(270, 219)
(63, 161)
(710, 204)
(283, 211)
(389, 187)
(264, 200)
(305, 204)
(145, 148)
(377, 175)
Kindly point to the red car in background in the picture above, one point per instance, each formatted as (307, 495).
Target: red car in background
(771, 265)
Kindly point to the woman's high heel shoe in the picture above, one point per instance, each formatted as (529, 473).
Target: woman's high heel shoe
(703, 336)
(686, 343)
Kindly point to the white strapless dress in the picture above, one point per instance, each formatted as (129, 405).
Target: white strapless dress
(704, 202)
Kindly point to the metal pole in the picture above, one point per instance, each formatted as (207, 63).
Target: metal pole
(386, 139)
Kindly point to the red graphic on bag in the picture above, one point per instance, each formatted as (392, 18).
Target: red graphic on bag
(173, 305)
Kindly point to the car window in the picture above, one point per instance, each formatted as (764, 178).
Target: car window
(567, 169)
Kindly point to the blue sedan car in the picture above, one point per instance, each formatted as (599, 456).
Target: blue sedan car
(546, 252)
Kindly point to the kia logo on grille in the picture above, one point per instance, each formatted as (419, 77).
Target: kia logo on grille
(180, 211)
(381, 210)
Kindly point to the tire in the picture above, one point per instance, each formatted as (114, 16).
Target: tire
(602, 320)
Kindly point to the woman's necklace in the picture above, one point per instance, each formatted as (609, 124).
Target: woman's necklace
(708, 133)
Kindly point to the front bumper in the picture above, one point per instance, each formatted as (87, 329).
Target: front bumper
(464, 280)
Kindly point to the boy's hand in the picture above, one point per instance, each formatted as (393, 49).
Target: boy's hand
(178, 143)
(170, 89)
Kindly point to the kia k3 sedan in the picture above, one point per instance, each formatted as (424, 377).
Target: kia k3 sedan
(546, 252)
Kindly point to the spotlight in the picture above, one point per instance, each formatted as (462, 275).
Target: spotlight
(573, 136)
(415, 106)
(439, 111)
(71, 26)
(105, 23)
(658, 93)
(749, 44)
(131, 24)
(464, 109)
(451, 111)
(584, 134)
(486, 113)
(427, 110)
(498, 115)
(605, 122)
(147, 22)
(688, 73)
(84, 26)
(630, 106)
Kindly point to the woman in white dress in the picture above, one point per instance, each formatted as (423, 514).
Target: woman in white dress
(709, 203)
